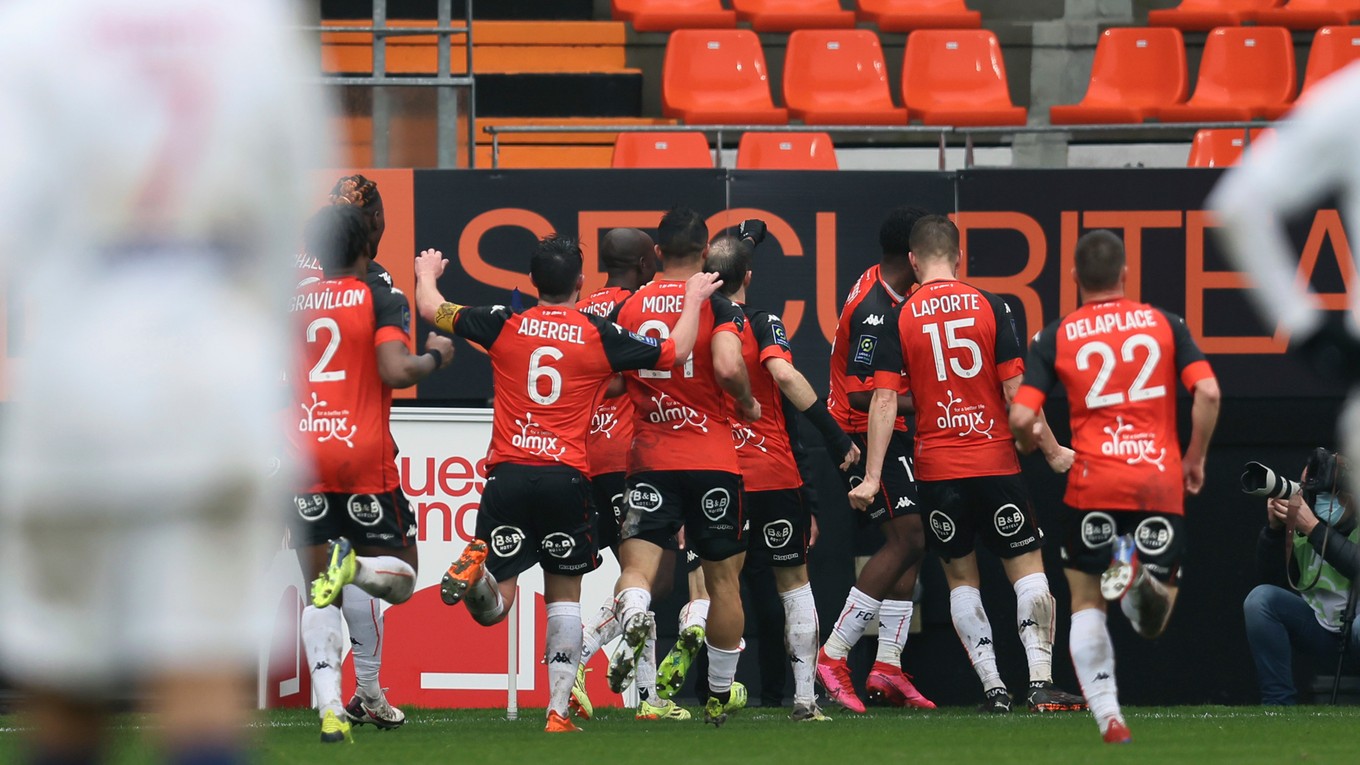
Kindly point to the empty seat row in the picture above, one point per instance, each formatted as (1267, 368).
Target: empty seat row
(1220, 148)
(838, 77)
(757, 151)
(790, 15)
(1245, 73)
(1203, 15)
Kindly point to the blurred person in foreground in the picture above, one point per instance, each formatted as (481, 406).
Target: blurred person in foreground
(169, 143)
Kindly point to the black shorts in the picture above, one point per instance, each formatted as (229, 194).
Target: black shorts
(377, 520)
(540, 514)
(1158, 537)
(993, 507)
(707, 503)
(898, 495)
(610, 495)
(781, 522)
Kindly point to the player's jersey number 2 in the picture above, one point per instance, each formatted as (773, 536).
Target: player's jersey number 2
(319, 372)
(658, 329)
(1096, 397)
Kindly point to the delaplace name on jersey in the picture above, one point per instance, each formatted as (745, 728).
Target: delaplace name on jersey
(327, 424)
(946, 304)
(1135, 448)
(329, 299)
(553, 330)
(1103, 323)
(663, 303)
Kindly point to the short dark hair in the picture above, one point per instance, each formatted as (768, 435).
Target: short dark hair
(681, 234)
(729, 258)
(935, 236)
(1100, 260)
(555, 266)
(894, 236)
(337, 236)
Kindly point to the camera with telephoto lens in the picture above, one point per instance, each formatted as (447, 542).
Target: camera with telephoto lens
(1260, 481)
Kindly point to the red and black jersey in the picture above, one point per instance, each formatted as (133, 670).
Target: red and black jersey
(343, 406)
(765, 448)
(611, 426)
(682, 414)
(858, 333)
(1119, 361)
(548, 366)
(958, 343)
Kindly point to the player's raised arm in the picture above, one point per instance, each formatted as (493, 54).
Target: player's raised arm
(729, 368)
(431, 305)
(698, 288)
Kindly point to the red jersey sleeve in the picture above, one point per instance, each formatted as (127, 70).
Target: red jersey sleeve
(727, 316)
(771, 337)
(1041, 368)
(1190, 360)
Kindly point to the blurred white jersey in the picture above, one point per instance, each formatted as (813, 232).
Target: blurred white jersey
(156, 157)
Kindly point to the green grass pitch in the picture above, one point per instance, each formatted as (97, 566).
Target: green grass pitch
(1196, 735)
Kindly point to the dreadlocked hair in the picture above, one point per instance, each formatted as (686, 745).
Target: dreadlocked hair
(354, 190)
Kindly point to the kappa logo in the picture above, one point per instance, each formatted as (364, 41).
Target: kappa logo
(411, 531)
(778, 533)
(670, 410)
(1135, 448)
(942, 526)
(864, 349)
(1097, 530)
(327, 424)
(1102, 675)
(506, 541)
(903, 503)
(1028, 623)
(983, 641)
(560, 657)
(558, 544)
(645, 497)
(873, 320)
(715, 503)
(311, 506)
(1153, 536)
(967, 420)
(1009, 520)
(365, 509)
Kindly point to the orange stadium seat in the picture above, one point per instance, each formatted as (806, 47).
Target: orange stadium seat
(1333, 48)
(1136, 72)
(957, 77)
(786, 151)
(669, 15)
(656, 150)
(1310, 14)
(906, 15)
(837, 77)
(1203, 15)
(788, 15)
(1218, 148)
(1245, 73)
(718, 76)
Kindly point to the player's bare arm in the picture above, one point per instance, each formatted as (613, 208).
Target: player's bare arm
(431, 305)
(860, 400)
(882, 415)
(698, 289)
(1037, 434)
(796, 389)
(1203, 418)
(729, 369)
(399, 368)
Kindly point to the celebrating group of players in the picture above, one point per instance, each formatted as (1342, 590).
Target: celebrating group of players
(662, 413)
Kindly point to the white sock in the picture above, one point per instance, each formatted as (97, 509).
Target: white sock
(860, 609)
(1034, 608)
(631, 602)
(484, 600)
(1093, 657)
(601, 630)
(1147, 605)
(975, 632)
(645, 677)
(364, 617)
(894, 622)
(694, 613)
(722, 668)
(386, 577)
(562, 651)
(800, 640)
(321, 637)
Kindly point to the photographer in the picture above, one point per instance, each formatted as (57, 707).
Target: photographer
(1308, 556)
